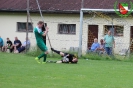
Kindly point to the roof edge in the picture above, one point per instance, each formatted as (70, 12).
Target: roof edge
(44, 11)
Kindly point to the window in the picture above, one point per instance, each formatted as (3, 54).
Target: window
(21, 27)
(67, 29)
(118, 30)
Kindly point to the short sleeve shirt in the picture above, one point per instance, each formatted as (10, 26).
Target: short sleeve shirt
(9, 43)
(18, 42)
(26, 43)
(108, 40)
(1, 42)
(95, 46)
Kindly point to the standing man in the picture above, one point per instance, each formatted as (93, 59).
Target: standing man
(109, 43)
(1, 43)
(40, 42)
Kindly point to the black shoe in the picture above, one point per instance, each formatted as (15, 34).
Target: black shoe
(52, 49)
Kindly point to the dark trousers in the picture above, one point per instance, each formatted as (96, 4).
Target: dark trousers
(108, 50)
(0, 48)
(21, 49)
(58, 52)
(11, 49)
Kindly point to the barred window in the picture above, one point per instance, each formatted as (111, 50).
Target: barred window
(67, 29)
(118, 29)
(21, 27)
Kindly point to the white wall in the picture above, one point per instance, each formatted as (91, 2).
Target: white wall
(122, 42)
(8, 23)
(58, 41)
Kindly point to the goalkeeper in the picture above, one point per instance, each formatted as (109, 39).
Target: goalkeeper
(67, 58)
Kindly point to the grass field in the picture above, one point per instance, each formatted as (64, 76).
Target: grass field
(21, 71)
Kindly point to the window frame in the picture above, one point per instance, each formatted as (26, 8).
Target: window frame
(24, 30)
(115, 33)
(69, 33)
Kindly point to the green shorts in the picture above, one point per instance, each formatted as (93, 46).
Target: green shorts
(42, 46)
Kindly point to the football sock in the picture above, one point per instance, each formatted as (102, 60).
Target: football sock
(58, 52)
(41, 55)
(45, 56)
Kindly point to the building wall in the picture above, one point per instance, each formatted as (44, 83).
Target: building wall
(58, 41)
(8, 22)
(122, 42)
(63, 41)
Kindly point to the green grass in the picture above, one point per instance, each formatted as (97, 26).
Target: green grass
(21, 71)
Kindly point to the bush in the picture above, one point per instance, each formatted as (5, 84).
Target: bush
(95, 56)
(34, 51)
(129, 58)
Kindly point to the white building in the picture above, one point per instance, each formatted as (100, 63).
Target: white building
(63, 22)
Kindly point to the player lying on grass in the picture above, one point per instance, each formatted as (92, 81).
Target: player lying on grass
(67, 58)
(40, 42)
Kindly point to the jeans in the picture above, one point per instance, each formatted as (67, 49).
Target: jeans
(21, 49)
(108, 50)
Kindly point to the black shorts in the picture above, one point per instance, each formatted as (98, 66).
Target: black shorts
(65, 54)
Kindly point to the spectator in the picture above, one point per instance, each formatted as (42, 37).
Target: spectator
(94, 46)
(17, 44)
(1, 43)
(109, 41)
(23, 47)
(8, 46)
(101, 49)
